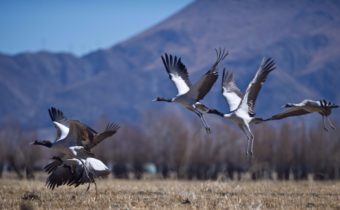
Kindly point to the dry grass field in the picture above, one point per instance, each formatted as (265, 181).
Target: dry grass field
(172, 194)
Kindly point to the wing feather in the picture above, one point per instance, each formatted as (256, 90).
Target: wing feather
(294, 111)
(57, 115)
(110, 130)
(254, 87)
(178, 73)
(230, 91)
(58, 175)
(62, 173)
(204, 85)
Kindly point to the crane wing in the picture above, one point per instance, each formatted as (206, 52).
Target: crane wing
(57, 115)
(254, 87)
(230, 91)
(66, 172)
(178, 73)
(62, 124)
(110, 130)
(293, 111)
(204, 85)
(71, 171)
(60, 174)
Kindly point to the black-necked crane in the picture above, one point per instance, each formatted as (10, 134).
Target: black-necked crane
(323, 107)
(76, 165)
(75, 171)
(242, 105)
(189, 95)
(72, 135)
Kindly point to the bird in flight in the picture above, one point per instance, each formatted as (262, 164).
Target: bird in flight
(323, 107)
(75, 164)
(73, 135)
(75, 171)
(189, 95)
(242, 105)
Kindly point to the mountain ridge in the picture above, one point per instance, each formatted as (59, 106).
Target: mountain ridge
(119, 82)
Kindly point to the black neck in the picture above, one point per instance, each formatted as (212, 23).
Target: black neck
(163, 99)
(43, 143)
(215, 111)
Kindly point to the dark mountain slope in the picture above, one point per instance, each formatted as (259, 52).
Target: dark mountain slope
(120, 82)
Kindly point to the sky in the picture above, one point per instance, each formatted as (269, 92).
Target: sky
(77, 26)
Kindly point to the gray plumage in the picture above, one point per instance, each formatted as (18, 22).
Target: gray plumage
(73, 133)
(323, 107)
(242, 105)
(74, 171)
(189, 95)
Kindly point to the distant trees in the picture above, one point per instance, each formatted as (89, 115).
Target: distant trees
(180, 148)
(15, 152)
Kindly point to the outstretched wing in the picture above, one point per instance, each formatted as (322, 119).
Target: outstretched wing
(63, 125)
(204, 85)
(78, 135)
(68, 172)
(294, 111)
(110, 130)
(62, 174)
(178, 73)
(57, 115)
(230, 91)
(254, 87)
(73, 171)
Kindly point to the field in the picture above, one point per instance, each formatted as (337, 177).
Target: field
(172, 194)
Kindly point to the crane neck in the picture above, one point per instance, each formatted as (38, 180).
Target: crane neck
(43, 143)
(163, 99)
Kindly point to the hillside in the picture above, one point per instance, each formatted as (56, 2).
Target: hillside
(118, 83)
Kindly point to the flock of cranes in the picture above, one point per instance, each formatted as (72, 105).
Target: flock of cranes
(241, 105)
(76, 165)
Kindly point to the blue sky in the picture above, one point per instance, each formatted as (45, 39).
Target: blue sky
(77, 26)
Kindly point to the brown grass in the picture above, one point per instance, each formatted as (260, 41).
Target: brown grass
(172, 194)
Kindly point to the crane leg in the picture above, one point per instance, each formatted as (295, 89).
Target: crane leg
(200, 115)
(324, 123)
(95, 186)
(330, 123)
(251, 152)
(86, 173)
(250, 139)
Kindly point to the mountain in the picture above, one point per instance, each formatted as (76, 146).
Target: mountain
(118, 83)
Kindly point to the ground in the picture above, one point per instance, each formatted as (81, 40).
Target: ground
(172, 194)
